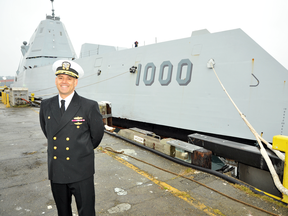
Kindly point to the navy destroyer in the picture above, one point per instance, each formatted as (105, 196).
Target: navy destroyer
(167, 87)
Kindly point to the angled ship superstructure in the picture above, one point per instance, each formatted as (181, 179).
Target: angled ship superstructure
(168, 85)
(49, 42)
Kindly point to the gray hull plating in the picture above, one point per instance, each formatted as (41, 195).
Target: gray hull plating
(172, 85)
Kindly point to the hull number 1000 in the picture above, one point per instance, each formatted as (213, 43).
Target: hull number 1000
(148, 81)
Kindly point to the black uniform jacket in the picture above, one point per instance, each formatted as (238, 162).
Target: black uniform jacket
(71, 138)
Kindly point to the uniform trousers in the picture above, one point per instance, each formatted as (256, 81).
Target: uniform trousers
(83, 192)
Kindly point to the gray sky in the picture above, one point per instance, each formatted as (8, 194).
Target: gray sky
(120, 23)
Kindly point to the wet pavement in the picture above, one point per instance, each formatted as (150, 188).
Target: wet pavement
(124, 186)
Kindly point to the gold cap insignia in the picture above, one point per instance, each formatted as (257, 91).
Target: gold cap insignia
(66, 65)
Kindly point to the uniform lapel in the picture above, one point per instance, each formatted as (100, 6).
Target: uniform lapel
(54, 105)
(69, 113)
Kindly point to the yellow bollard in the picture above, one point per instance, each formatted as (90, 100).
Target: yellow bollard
(4, 97)
(281, 143)
(8, 102)
(32, 97)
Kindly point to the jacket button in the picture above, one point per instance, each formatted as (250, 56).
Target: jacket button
(48, 117)
(67, 138)
(54, 138)
(78, 127)
(67, 148)
(67, 158)
(55, 147)
(55, 157)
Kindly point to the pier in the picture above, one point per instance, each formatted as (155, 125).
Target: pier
(124, 185)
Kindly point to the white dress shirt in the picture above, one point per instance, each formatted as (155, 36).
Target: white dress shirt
(67, 100)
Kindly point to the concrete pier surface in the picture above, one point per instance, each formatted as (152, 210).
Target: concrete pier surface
(123, 185)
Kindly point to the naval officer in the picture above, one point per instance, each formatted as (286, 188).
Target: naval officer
(73, 127)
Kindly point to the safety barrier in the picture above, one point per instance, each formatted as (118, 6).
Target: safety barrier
(7, 101)
(281, 143)
(3, 97)
(174, 148)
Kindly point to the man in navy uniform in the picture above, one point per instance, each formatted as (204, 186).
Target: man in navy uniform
(73, 127)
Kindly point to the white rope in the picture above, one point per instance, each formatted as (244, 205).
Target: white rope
(275, 177)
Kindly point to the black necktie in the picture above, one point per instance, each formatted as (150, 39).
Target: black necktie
(62, 106)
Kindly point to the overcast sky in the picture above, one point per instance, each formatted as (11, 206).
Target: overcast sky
(121, 22)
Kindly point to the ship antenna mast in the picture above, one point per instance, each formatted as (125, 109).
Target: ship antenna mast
(53, 15)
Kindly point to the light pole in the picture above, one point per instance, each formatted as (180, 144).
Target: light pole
(4, 78)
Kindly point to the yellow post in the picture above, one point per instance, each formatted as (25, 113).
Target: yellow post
(8, 102)
(32, 97)
(4, 97)
(281, 143)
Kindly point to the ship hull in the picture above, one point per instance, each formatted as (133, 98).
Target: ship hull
(173, 87)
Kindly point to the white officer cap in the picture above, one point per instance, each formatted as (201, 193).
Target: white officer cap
(68, 67)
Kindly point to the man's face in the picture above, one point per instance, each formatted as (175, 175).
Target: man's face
(65, 84)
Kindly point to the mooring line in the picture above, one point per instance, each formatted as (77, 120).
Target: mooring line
(263, 152)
